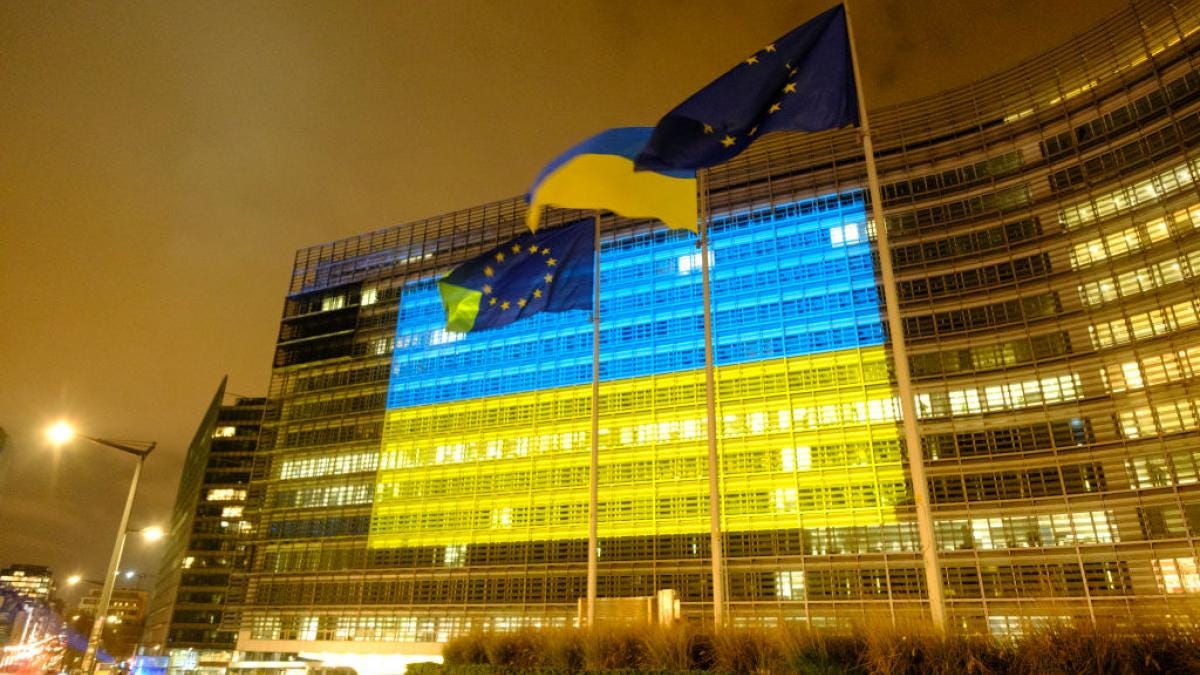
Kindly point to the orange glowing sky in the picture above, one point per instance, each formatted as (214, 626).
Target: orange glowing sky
(160, 163)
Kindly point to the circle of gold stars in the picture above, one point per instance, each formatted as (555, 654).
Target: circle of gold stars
(729, 140)
(500, 258)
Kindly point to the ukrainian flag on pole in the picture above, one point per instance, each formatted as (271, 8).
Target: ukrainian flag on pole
(598, 174)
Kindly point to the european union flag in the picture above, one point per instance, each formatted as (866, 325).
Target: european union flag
(545, 271)
(804, 81)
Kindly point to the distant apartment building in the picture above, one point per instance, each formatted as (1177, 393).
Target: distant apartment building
(191, 593)
(125, 621)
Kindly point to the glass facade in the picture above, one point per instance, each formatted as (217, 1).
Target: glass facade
(192, 593)
(414, 484)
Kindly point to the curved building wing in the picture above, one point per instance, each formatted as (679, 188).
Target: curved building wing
(415, 484)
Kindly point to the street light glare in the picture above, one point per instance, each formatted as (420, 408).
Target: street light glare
(60, 432)
(74, 579)
(129, 574)
(152, 533)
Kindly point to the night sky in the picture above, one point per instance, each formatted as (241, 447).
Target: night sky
(160, 163)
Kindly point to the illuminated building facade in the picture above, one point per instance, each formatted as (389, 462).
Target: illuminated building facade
(1045, 228)
(125, 621)
(203, 548)
(32, 582)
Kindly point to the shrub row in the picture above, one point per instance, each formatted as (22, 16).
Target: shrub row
(871, 650)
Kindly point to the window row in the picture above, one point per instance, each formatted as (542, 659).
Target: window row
(1173, 137)
(1144, 325)
(1001, 441)
(983, 317)
(1144, 107)
(936, 218)
(1132, 239)
(1159, 418)
(1140, 280)
(1178, 467)
(331, 435)
(965, 281)
(951, 179)
(323, 496)
(991, 357)
(336, 465)
(337, 406)
(934, 251)
(1124, 199)
(341, 378)
(1000, 397)
(1024, 484)
(1151, 370)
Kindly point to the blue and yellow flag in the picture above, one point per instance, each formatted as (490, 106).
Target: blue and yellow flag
(598, 174)
(804, 81)
(547, 271)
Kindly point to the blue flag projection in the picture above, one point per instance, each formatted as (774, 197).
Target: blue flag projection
(547, 271)
(487, 433)
(598, 174)
(804, 81)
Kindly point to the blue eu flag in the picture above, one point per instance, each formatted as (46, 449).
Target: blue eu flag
(804, 81)
(545, 271)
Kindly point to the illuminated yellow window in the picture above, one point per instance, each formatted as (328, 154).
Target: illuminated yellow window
(1177, 575)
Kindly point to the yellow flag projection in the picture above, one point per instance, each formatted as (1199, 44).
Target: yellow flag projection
(806, 441)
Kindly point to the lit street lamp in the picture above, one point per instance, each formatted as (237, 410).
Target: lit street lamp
(60, 434)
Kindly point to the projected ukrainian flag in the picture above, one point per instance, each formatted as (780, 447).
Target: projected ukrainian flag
(486, 436)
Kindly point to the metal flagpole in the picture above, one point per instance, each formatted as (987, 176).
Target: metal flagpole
(594, 466)
(908, 412)
(714, 465)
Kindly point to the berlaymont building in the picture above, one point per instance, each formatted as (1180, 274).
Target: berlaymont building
(414, 484)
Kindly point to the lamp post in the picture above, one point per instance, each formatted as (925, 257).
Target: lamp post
(59, 434)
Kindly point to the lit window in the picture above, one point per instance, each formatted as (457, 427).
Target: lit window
(226, 495)
(333, 302)
(225, 432)
(789, 585)
(456, 555)
(797, 459)
(308, 628)
(442, 337)
(1123, 199)
(369, 296)
(1177, 575)
(381, 345)
(188, 562)
(502, 517)
(844, 235)
(691, 262)
(1133, 376)
(231, 512)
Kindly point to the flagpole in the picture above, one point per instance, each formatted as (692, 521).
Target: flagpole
(908, 412)
(714, 465)
(594, 466)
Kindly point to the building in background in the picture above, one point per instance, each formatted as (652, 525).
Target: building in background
(33, 582)
(126, 618)
(191, 593)
(412, 484)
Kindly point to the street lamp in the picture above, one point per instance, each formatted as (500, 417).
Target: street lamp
(59, 434)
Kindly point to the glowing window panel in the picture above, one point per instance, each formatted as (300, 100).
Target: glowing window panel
(226, 495)
(1177, 575)
(1127, 198)
(1145, 325)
